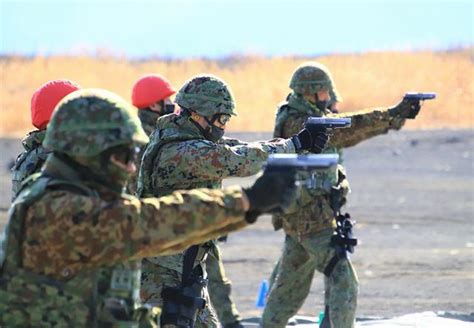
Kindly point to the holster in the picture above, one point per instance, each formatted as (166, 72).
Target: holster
(181, 304)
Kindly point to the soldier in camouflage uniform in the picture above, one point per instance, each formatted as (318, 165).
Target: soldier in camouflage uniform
(151, 95)
(310, 223)
(187, 151)
(43, 102)
(72, 220)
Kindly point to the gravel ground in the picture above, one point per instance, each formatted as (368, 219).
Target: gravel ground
(412, 196)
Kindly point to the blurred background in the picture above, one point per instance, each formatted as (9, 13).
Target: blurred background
(376, 50)
(412, 190)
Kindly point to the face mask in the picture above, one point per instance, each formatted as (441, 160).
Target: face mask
(213, 133)
(322, 104)
(99, 169)
(167, 108)
(118, 176)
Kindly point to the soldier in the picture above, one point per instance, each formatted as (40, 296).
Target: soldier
(188, 151)
(72, 220)
(310, 223)
(151, 95)
(43, 102)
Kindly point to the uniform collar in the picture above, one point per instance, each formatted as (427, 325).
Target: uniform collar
(148, 119)
(58, 168)
(297, 102)
(178, 124)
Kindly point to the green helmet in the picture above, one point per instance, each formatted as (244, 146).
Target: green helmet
(89, 121)
(207, 95)
(311, 77)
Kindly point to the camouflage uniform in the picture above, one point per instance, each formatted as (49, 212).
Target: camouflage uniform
(179, 157)
(30, 160)
(220, 289)
(148, 119)
(43, 101)
(310, 223)
(69, 223)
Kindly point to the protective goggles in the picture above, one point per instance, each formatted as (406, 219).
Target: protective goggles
(221, 118)
(126, 154)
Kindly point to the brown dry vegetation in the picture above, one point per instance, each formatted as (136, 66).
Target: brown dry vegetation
(365, 80)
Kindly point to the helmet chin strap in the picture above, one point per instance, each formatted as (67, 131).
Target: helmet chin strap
(193, 117)
(210, 132)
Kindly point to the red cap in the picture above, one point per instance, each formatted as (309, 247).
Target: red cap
(45, 99)
(150, 89)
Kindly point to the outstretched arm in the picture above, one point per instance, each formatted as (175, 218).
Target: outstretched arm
(366, 124)
(207, 161)
(91, 232)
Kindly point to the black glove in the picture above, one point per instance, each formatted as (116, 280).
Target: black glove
(312, 140)
(320, 141)
(273, 192)
(406, 109)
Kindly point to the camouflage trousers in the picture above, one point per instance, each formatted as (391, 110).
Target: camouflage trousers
(156, 277)
(293, 277)
(220, 288)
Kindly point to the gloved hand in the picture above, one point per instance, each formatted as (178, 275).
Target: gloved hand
(313, 140)
(273, 192)
(406, 109)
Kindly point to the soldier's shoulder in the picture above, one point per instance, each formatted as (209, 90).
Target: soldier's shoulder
(54, 200)
(30, 157)
(284, 109)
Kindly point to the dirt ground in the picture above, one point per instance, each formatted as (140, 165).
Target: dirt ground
(413, 198)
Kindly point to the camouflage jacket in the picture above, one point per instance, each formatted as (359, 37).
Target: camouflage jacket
(148, 119)
(178, 157)
(62, 231)
(30, 160)
(312, 212)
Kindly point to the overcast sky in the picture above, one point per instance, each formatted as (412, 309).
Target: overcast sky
(205, 28)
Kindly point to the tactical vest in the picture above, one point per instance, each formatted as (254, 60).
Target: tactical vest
(148, 119)
(312, 211)
(151, 157)
(104, 297)
(324, 179)
(29, 161)
(167, 132)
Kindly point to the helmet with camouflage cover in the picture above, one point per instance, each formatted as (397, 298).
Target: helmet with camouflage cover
(89, 121)
(311, 77)
(207, 95)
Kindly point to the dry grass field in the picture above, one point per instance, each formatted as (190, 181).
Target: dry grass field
(365, 80)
